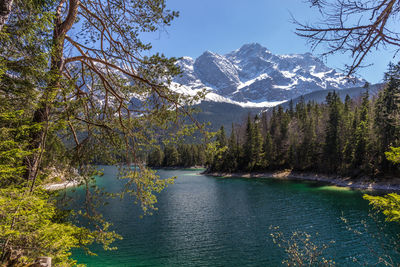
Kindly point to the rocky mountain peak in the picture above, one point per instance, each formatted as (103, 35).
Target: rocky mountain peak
(217, 72)
(251, 50)
(253, 74)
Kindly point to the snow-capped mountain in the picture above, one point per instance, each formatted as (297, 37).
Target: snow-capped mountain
(253, 76)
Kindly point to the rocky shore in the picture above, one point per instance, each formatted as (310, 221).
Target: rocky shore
(59, 179)
(62, 185)
(363, 183)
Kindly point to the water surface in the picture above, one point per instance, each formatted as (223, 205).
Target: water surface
(208, 221)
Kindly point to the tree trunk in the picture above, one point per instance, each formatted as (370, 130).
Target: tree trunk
(5, 10)
(42, 114)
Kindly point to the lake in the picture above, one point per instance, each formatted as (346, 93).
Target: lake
(210, 221)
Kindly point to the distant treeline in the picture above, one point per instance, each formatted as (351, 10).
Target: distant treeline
(182, 155)
(348, 138)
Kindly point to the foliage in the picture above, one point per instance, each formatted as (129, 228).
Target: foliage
(393, 155)
(31, 226)
(13, 147)
(388, 204)
(142, 183)
(180, 155)
(301, 251)
(76, 90)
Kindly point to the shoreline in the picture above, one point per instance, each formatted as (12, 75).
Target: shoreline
(59, 179)
(363, 183)
(178, 168)
(359, 184)
(61, 186)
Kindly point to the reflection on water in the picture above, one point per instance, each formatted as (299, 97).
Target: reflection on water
(207, 221)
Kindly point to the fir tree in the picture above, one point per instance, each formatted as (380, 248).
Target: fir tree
(248, 146)
(361, 134)
(268, 151)
(156, 158)
(171, 156)
(232, 155)
(257, 147)
(387, 113)
(332, 139)
(221, 138)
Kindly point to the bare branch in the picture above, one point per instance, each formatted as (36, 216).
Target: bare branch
(352, 26)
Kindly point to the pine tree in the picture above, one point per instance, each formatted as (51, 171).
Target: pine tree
(232, 152)
(281, 138)
(332, 151)
(185, 155)
(248, 146)
(273, 123)
(257, 147)
(200, 156)
(268, 151)
(307, 148)
(361, 134)
(301, 110)
(221, 138)
(171, 156)
(387, 114)
(291, 108)
(156, 158)
(348, 149)
(218, 161)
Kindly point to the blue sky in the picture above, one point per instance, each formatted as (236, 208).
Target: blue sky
(225, 25)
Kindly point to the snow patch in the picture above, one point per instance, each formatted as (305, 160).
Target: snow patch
(211, 96)
(249, 82)
(288, 74)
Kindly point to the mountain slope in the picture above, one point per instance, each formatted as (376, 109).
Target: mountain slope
(320, 96)
(226, 114)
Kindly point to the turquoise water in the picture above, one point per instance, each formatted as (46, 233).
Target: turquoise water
(208, 221)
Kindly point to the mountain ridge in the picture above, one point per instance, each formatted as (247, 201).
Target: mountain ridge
(254, 76)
